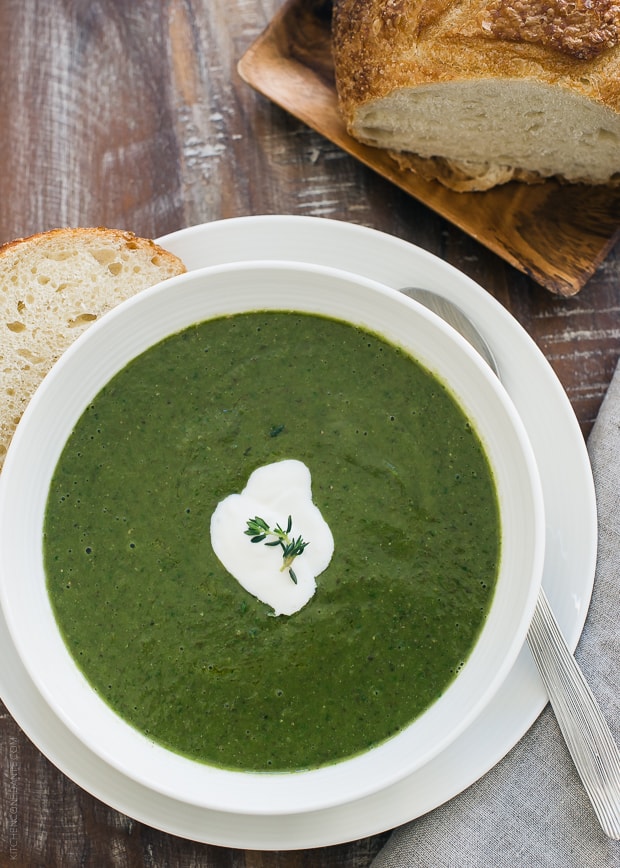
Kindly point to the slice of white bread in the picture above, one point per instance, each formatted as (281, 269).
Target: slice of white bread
(53, 285)
(485, 91)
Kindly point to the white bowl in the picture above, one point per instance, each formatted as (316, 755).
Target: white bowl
(106, 348)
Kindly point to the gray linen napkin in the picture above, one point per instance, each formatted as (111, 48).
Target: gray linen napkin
(531, 810)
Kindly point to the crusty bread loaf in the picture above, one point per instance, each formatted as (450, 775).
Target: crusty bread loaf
(480, 92)
(52, 287)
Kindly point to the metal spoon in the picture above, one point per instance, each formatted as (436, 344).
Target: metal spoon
(583, 726)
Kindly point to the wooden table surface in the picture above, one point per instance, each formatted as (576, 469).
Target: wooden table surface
(133, 115)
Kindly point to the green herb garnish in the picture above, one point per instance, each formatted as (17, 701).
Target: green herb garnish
(259, 530)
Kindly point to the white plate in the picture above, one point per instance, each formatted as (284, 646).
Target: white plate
(568, 574)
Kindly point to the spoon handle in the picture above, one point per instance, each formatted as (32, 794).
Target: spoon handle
(583, 726)
(591, 745)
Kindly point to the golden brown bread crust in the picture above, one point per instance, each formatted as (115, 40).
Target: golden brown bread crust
(580, 28)
(123, 237)
(380, 45)
(454, 176)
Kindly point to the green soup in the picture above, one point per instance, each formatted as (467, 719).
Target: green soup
(171, 641)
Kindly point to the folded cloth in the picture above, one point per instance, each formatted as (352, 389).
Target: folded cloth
(531, 809)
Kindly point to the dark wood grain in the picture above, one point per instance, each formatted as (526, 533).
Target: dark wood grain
(134, 115)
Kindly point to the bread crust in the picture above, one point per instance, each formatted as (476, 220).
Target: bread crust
(579, 28)
(381, 46)
(79, 234)
(53, 285)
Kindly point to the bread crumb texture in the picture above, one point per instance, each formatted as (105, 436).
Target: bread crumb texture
(53, 285)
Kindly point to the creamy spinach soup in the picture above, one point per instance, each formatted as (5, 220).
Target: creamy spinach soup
(171, 641)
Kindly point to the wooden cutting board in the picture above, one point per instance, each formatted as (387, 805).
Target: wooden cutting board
(557, 234)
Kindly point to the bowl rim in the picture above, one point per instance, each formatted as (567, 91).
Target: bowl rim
(270, 792)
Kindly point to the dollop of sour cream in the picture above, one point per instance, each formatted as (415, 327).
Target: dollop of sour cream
(273, 492)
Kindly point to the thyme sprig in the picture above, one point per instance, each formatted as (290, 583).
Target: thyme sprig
(259, 530)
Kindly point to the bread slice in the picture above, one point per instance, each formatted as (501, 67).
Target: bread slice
(484, 91)
(53, 285)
